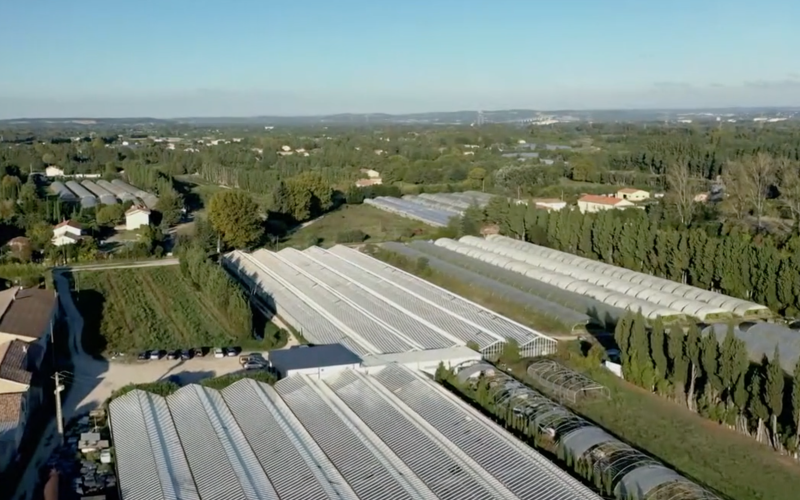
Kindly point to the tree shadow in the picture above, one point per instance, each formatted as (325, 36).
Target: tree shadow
(91, 304)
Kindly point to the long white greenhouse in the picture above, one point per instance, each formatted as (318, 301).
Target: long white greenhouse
(343, 296)
(563, 281)
(434, 209)
(389, 434)
(698, 296)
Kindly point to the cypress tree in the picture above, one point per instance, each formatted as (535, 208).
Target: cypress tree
(679, 363)
(774, 392)
(692, 348)
(709, 360)
(640, 355)
(658, 354)
(755, 404)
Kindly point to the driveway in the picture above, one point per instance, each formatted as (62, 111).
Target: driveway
(94, 380)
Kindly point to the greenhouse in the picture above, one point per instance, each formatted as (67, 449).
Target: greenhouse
(433, 217)
(610, 297)
(571, 319)
(604, 314)
(761, 339)
(731, 305)
(565, 382)
(435, 205)
(518, 250)
(343, 296)
(87, 199)
(121, 194)
(626, 472)
(105, 196)
(63, 193)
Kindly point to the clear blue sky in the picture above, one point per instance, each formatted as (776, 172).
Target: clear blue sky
(170, 58)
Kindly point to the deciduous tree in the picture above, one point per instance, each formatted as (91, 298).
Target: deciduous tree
(235, 216)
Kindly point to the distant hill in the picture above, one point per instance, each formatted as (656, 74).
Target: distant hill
(467, 117)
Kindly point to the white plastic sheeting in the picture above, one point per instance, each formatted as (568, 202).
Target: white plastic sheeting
(343, 296)
(717, 300)
(391, 435)
(619, 283)
(610, 297)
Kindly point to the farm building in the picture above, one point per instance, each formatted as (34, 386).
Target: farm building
(66, 233)
(86, 198)
(314, 361)
(105, 196)
(148, 199)
(393, 433)
(63, 193)
(591, 203)
(136, 217)
(615, 286)
(117, 191)
(632, 194)
(343, 296)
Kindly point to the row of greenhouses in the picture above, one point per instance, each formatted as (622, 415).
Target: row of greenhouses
(615, 287)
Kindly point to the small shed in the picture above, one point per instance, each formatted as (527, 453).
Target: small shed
(136, 217)
(315, 361)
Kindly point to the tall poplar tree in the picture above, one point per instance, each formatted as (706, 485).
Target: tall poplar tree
(678, 362)
(658, 354)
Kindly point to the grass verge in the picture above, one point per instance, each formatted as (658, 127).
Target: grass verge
(376, 225)
(723, 460)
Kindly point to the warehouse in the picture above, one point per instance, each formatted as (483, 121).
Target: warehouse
(343, 296)
(315, 361)
(392, 434)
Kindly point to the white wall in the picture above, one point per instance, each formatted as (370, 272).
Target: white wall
(136, 220)
(320, 372)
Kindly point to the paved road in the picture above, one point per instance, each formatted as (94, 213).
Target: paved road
(95, 380)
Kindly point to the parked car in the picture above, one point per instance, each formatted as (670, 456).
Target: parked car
(155, 354)
(186, 354)
(232, 351)
(143, 356)
(174, 354)
(254, 365)
(199, 352)
(219, 353)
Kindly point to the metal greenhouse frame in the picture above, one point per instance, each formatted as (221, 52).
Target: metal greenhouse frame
(565, 382)
(629, 472)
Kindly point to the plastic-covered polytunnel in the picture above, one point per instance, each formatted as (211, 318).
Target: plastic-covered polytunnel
(601, 312)
(569, 318)
(565, 282)
(618, 468)
(703, 298)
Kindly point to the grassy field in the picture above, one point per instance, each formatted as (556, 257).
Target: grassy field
(376, 224)
(718, 458)
(128, 310)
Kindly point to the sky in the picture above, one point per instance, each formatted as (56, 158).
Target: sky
(186, 58)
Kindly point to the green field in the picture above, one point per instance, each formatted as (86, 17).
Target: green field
(377, 225)
(128, 310)
(716, 457)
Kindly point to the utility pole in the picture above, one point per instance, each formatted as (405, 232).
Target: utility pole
(59, 417)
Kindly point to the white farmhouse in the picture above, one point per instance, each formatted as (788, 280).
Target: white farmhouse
(67, 233)
(592, 203)
(136, 217)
